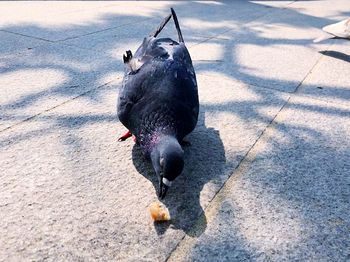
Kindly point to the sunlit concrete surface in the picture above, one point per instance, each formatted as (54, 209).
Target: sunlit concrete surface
(266, 177)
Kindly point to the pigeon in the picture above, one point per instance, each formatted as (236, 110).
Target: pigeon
(337, 30)
(158, 101)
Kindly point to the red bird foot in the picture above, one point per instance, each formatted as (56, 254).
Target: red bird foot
(125, 136)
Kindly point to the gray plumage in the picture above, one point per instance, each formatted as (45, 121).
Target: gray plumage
(158, 102)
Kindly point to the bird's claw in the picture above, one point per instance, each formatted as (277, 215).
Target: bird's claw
(125, 136)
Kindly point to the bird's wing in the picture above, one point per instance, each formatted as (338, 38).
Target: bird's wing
(130, 93)
(151, 56)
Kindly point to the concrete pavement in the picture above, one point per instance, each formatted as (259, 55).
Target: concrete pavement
(266, 177)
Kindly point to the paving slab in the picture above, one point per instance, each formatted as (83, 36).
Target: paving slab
(57, 21)
(273, 51)
(116, 41)
(197, 24)
(329, 80)
(289, 200)
(44, 77)
(71, 191)
(330, 10)
(63, 72)
(12, 43)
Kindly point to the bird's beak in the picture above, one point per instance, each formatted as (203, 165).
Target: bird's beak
(164, 185)
(163, 188)
(163, 191)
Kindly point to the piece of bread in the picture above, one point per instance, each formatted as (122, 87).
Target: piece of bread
(159, 212)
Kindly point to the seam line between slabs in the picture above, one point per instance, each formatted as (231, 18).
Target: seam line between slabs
(246, 23)
(76, 36)
(244, 160)
(29, 36)
(52, 108)
(102, 30)
(58, 41)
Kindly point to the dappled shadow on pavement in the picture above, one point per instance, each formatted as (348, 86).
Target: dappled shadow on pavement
(204, 163)
(337, 55)
(70, 71)
(290, 200)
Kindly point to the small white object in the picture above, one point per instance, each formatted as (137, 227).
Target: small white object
(340, 29)
(167, 182)
(135, 64)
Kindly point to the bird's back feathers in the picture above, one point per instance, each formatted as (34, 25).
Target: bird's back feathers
(159, 91)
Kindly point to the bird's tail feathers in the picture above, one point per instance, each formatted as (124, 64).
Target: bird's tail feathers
(181, 40)
(156, 32)
(161, 26)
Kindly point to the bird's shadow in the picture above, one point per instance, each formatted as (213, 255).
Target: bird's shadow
(204, 162)
(337, 55)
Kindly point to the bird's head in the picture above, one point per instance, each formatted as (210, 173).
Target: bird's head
(168, 161)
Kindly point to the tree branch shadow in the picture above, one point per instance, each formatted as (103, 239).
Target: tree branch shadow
(336, 55)
(204, 162)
